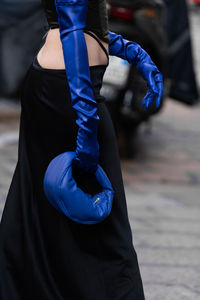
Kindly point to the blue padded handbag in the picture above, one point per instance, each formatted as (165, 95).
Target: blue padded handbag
(63, 193)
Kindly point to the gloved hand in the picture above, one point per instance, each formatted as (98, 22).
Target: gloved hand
(72, 17)
(132, 52)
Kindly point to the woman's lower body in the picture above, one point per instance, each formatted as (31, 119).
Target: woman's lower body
(43, 254)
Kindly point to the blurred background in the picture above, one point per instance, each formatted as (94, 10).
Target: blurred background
(159, 149)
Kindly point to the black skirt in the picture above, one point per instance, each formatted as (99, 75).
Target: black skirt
(43, 254)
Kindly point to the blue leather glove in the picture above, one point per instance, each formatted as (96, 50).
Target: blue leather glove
(71, 18)
(132, 52)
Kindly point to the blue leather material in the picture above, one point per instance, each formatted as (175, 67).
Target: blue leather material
(64, 194)
(71, 18)
(59, 185)
(132, 52)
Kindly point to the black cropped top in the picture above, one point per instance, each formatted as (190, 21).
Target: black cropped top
(97, 18)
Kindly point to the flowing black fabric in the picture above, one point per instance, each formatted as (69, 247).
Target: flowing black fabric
(43, 254)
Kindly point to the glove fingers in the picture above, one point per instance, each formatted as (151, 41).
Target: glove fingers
(152, 82)
(160, 89)
(148, 99)
(159, 82)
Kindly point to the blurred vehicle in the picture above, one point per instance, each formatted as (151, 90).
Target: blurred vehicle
(141, 21)
(21, 30)
(195, 2)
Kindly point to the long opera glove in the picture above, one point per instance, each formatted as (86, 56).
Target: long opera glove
(72, 17)
(133, 53)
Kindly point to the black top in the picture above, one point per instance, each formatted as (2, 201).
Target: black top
(97, 18)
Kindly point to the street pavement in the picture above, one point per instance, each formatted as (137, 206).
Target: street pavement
(162, 186)
(163, 194)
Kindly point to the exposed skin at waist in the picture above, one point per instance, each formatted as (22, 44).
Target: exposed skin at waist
(50, 55)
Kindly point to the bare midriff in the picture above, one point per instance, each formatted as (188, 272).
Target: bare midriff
(50, 55)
